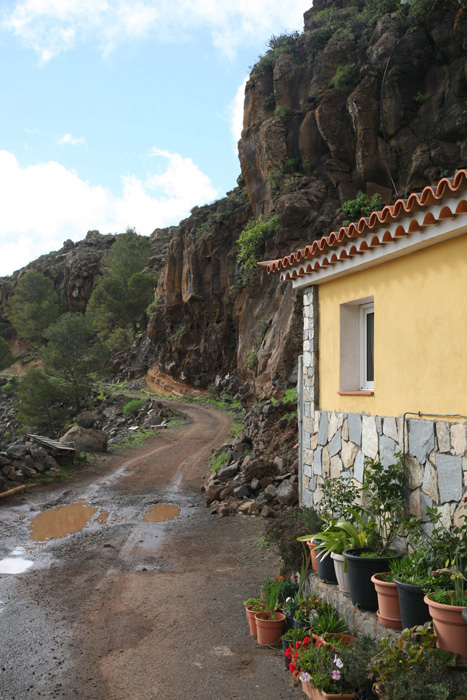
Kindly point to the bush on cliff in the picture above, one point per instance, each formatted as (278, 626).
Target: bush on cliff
(252, 240)
(34, 306)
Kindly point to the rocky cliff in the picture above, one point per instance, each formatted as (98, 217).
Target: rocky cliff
(365, 98)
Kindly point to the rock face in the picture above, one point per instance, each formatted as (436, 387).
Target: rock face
(319, 125)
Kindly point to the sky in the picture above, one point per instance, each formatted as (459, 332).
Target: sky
(121, 113)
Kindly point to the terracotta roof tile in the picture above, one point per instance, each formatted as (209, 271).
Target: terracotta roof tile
(414, 213)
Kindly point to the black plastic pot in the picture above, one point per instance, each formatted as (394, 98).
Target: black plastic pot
(326, 570)
(464, 614)
(298, 624)
(414, 610)
(285, 645)
(288, 622)
(360, 570)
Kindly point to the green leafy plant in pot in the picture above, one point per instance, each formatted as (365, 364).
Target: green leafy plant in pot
(410, 666)
(384, 498)
(270, 622)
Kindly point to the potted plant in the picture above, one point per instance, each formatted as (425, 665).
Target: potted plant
(290, 639)
(339, 495)
(252, 606)
(309, 607)
(446, 607)
(410, 666)
(270, 622)
(384, 498)
(289, 608)
(328, 626)
(322, 672)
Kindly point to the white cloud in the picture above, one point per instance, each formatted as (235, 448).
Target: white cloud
(235, 114)
(69, 139)
(45, 204)
(53, 26)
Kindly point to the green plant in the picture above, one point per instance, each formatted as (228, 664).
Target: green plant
(252, 239)
(283, 113)
(275, 178)
(384, 496)
(410, 666)
(218, 461)
(293, 635)
(345, 77)
(342, 535)
(362, 205)
(252, 356)
(133, 407)
(324, 668)
(272, 590)
(269, 101)
(290, 395)
(277, 45)
(420, 98)
(328, 622)
(256, 604)
(283, 531)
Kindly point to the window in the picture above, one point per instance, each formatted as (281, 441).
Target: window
(357, 323)
(367, 346)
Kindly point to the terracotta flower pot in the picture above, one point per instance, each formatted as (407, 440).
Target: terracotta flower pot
(315, 694)
(450, 629)
(389, 612)
(250, 616)
(314, 556)
(341, 575)
(269, 631)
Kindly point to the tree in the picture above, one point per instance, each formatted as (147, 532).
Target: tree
(74, 355)
(6, 356)
(122, 295)
(40, 402)
(34, 306)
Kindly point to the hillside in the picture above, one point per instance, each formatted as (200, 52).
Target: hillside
(367, 98)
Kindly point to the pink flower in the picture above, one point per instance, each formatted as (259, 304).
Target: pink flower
(305, 677)
(338, 662)
(336, 675)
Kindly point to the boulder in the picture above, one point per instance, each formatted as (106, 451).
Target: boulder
(228, 471)
(287, 493)
(17, 451)
(87, 419)
(86, 440)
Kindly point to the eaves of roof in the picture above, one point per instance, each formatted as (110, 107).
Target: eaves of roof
(437, 213)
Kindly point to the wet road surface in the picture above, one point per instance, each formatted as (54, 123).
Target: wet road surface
(142, 599)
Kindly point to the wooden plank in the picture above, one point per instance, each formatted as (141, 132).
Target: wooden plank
(54, 444)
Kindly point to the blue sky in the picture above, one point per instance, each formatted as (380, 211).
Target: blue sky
(121, 113)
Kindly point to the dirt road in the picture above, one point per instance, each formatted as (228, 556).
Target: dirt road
(130, 609)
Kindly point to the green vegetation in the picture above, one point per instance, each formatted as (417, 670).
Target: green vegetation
(218, 461)
(345, 77)
(289, 395)
(121, 297)
(269, 101)
(74, 356)
(6, 356)
(420, 98)
(282, 112)
(252, 240)
(134, 406)
(277, 45)
(362, 205)
(34, 306)
(40, 403)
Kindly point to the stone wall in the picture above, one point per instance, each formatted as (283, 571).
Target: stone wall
(338, 444)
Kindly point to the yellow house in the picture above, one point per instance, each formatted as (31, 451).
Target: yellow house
(384, 365)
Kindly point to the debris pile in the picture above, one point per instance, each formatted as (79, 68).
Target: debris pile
(259, 472)
(22, 462)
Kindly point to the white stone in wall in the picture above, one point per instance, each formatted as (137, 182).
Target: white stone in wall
(336, 467)
(307, 498)
(307, 471)
(400, 433)
(449, 478)
(335, 446)
(415, 505)
(306, 346)
(306, 334)
(459, 518)
(314, 441)
(325, 461)
(308, 456)
(390, 428)
(307, 359)
(306, 299)
(421, 439)
(345, 429)
(359, 467)
(430, 482)
(387, 450)
(349, 452)
(369, 437)
(443, 437)
(414, 472)
(323, 429)
(317, 461)
(309, 425)
(445, 511)
(355, 428)
(458, 439)
(332, 425)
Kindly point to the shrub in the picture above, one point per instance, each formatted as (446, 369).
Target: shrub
(218, 461)
(345, 77)
(284, 530)
(252, 239)
(362, 205)
(134, 406)
(277, 45)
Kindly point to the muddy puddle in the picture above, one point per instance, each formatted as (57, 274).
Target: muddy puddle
(62, 521)
(160, 513)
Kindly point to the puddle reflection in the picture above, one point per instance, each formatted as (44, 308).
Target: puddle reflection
(160, 513)
(60, 521)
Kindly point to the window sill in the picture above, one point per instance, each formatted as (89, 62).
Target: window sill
(356, 393)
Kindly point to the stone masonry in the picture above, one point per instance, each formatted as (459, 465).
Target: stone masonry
(338, 444)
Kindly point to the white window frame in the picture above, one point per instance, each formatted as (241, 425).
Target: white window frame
(364, 311)
(353, 360)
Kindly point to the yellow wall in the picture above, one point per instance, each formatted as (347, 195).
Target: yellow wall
(420, 333)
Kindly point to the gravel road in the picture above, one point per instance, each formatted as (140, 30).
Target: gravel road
(127, 608)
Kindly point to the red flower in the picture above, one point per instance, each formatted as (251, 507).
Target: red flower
(298, 645)
(281, 577)
(320, 642)
(306, 640)
(288, 653)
